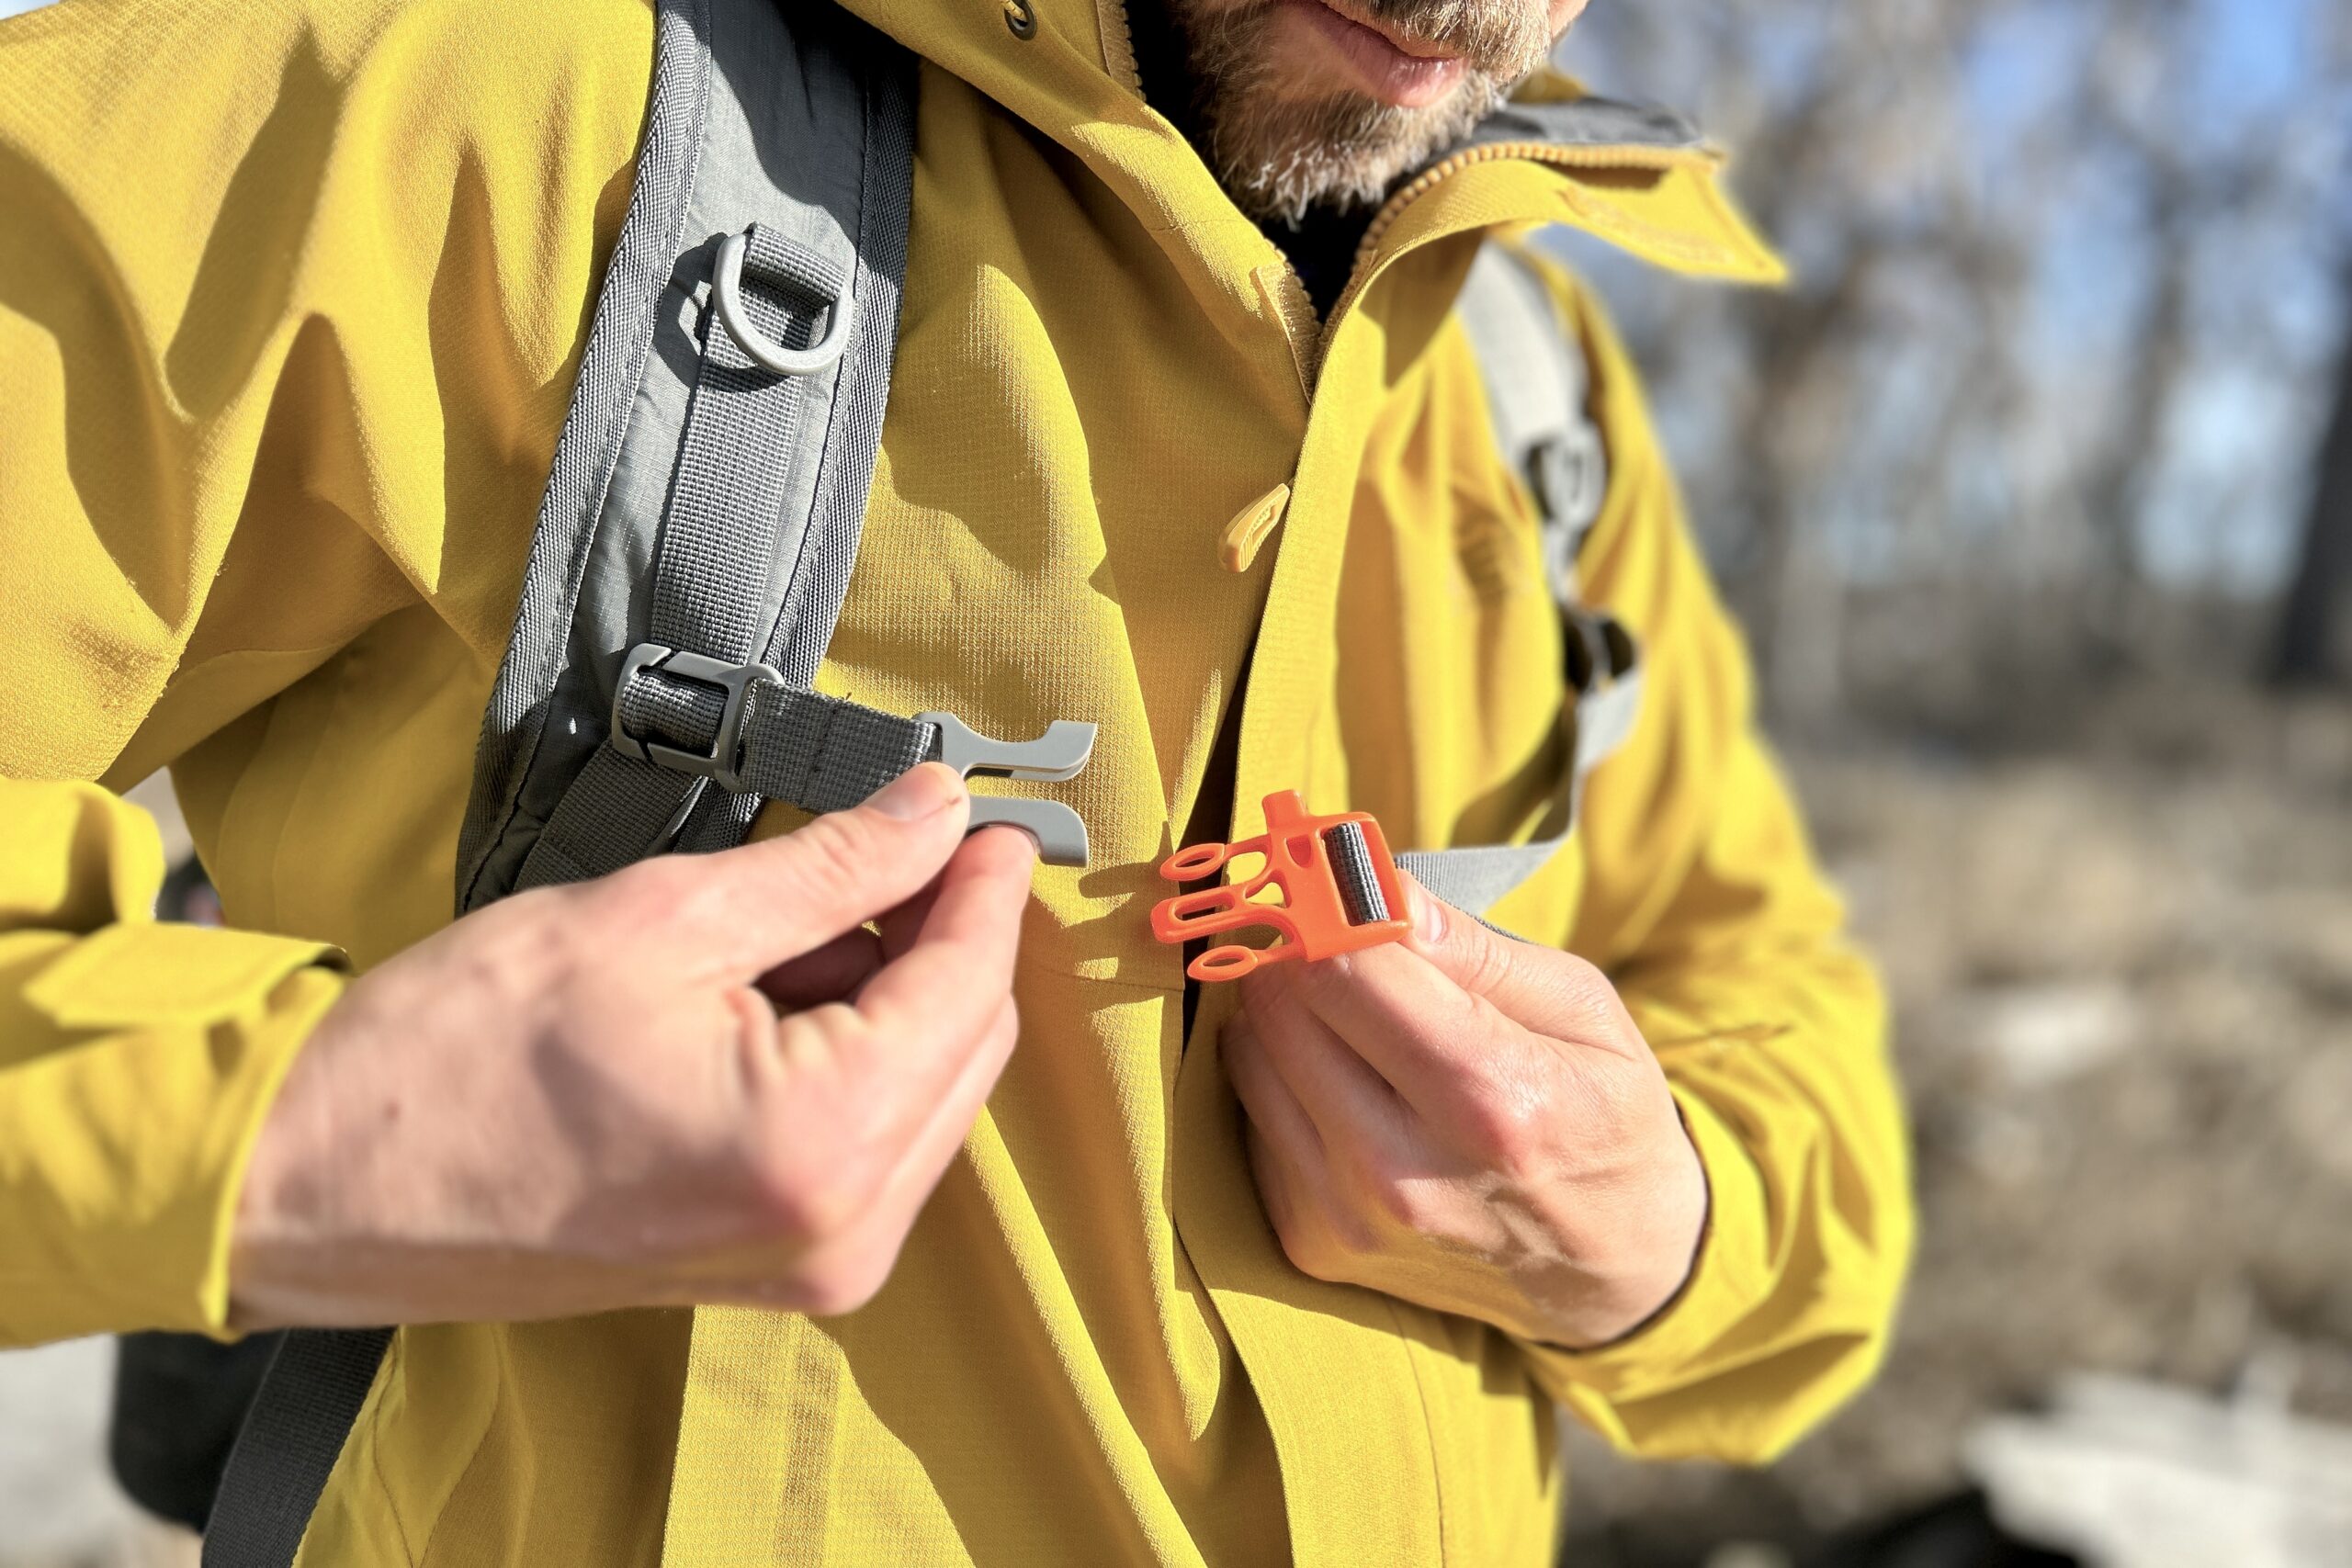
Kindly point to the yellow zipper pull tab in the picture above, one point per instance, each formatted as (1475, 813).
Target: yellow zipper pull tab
(1239, 545)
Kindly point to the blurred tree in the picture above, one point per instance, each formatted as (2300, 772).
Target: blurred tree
(2037, 408)
(2317, 621)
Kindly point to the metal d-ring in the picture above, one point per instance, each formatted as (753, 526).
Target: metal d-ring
(726, 289)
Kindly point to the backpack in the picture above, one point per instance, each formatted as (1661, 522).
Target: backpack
(701, 518)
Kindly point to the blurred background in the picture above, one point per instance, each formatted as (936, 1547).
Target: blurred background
(2035, 492)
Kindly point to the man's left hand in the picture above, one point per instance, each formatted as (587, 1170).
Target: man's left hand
(1470, 1123)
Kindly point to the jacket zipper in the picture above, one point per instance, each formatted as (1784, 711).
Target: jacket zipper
(1660, 158)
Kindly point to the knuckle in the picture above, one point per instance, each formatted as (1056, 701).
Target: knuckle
(1399, 1201)
(1586, 997)
(845, 1284)
(809, 1203)
(1315, 1250)
(540, 952)
(1488, 959)
(1350, 1236)
(1505, 1128)
(1581, 975)
(654, 893)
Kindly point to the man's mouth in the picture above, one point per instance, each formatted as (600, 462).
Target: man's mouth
(1386, 62)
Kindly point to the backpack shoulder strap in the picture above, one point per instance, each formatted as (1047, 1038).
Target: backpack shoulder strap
(710, 483)
(1538, 387)
(691, 553)
(1537, 384)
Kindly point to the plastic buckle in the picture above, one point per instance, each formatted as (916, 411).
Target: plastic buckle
(721, 764)
(1060, 753)
(1340, 884)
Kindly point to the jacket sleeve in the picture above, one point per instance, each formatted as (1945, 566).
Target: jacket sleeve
(140, 369)
(1704, 904)
(137, 1060)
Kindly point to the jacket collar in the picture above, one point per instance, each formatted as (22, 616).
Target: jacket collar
(1067, 68)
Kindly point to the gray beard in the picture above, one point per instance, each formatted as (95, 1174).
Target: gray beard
(1278, 158)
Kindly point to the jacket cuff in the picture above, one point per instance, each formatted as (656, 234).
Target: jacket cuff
(135, 1121)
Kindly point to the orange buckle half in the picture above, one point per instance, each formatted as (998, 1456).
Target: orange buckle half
(1341, 891)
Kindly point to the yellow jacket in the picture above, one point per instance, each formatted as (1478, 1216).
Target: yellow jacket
(291, 298)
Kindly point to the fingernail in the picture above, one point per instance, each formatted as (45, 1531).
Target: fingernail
(919, 793)
(1428, 915)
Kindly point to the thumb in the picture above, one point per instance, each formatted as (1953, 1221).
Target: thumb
(746, 910)
(1554, 993)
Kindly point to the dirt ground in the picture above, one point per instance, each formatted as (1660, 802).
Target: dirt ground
(2124, 984)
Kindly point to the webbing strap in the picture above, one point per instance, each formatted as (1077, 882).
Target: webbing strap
(846, 771)
(1537, 384)
(710, 594)
(289, 1442)
(821, 754)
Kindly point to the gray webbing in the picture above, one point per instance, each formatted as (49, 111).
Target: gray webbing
(1537, 386)
(1352, 869)
(720, 516)
(752, 551)
(730, 510)
(819, 752)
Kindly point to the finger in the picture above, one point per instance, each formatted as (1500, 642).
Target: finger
(831, 972)
(1556, 994)
(925, 1160)
(959, 968)
(1273, 1110)
(1340, 1091)
(900, 926)
(936, 1143)
(1429, 1039)
(1282, 1186)
(835, 971)
(741, 912)
(885, 1060)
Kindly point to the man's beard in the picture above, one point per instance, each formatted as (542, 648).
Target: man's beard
(1279, 154)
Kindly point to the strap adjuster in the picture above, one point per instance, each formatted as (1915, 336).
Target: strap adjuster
(723, 763)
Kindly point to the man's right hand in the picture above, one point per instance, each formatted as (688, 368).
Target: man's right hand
(700, 1080)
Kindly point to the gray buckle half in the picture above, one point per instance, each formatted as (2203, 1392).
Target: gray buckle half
(723, 762)
(1058, 754)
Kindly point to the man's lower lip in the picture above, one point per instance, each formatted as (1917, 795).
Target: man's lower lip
(1382, 70)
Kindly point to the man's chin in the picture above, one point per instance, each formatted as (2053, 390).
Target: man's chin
(1304, 114)
(1342, 153)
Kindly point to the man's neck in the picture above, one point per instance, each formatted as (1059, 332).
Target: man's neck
(1322, 245)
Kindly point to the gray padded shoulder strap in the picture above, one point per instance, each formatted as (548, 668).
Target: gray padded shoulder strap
(702, 517)
(1538, 386)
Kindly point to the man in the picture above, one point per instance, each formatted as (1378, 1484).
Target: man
(727, 1222)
